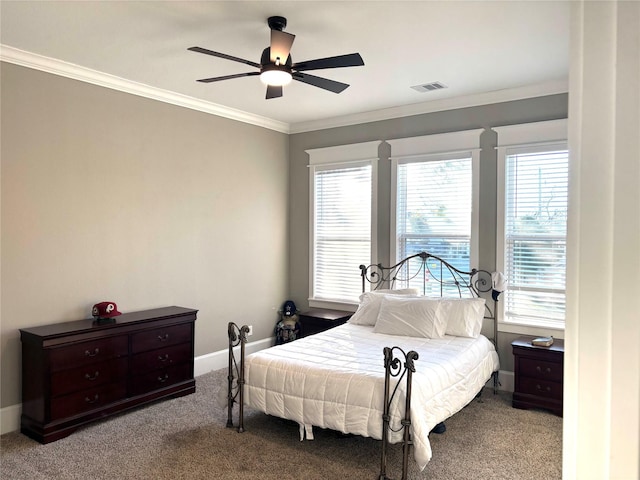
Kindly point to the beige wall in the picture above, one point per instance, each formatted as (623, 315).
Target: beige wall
(109, 196)
(486, 116)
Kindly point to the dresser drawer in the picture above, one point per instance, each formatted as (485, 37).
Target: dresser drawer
(160, 378)
(532, 367)
(88, 376)
(85, 353)
(161, 337)
(85, 400)
(540, 388)
(161, 358)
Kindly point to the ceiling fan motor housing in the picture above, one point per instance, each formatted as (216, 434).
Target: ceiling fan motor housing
(277, 23)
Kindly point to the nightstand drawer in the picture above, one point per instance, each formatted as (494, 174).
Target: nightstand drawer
(531, 367)
(540, 388)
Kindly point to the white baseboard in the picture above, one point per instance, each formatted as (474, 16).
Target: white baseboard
(506, 380)
(220, 359)
(10, 416)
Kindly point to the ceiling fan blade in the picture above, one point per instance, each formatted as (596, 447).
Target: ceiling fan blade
(348, 60)
(223, 55)
(281, 45)
(331, 85)
(273, 91)
(228, 77)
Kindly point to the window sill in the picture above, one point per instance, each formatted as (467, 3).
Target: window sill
(533, 330)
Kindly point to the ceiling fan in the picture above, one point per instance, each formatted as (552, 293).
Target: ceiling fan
(277, 68)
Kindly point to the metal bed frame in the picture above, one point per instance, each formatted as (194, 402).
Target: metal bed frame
(398, 364)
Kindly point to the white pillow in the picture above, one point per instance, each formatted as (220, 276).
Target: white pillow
(465, 316)
(412, 317)
(367, 312)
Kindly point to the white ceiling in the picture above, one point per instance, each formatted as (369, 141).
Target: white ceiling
(479, 49)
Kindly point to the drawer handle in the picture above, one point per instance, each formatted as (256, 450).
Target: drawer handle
(163, 358)
(89, 400)
(87, 353)
(163, 338)
(88, 376)
(546, 370)
(163, 378)
(548, 389)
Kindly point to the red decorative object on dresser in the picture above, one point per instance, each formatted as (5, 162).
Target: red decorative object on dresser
(77, 372)
(538, 375)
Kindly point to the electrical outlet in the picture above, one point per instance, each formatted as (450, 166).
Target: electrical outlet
(250, 332)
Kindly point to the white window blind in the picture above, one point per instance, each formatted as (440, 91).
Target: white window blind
(435, 199)
(342, 227)
(433, 212)
(532, 197)
(535, 228)
(342, 216)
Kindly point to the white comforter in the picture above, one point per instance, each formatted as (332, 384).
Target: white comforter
(335, 380)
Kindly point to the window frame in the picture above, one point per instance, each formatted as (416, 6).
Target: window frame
(532, 137)
(438, 147)
(341, 157)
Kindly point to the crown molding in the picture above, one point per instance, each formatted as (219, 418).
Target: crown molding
(452, 103)
(76, 72)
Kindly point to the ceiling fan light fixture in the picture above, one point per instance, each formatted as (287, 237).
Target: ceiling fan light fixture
(275, 75)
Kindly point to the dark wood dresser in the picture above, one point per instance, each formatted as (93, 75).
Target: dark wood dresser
(77, 372)
(319, 319)
(538, 375)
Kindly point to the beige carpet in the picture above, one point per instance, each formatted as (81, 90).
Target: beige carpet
(186, 438)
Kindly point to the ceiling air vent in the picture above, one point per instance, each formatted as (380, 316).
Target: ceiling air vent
(429, 87)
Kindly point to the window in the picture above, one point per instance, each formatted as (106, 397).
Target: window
(435, 200)
(532, 223)
(342, 221)
(342, 230)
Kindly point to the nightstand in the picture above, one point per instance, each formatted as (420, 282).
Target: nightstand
(538, 375)
(318, 320)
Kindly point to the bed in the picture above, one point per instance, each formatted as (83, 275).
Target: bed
(402, 365)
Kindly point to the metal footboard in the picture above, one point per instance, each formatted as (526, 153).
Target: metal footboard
(397, 364)
(235, 393)
(397, 367)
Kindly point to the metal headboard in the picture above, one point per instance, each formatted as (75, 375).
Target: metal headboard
(427, 267)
